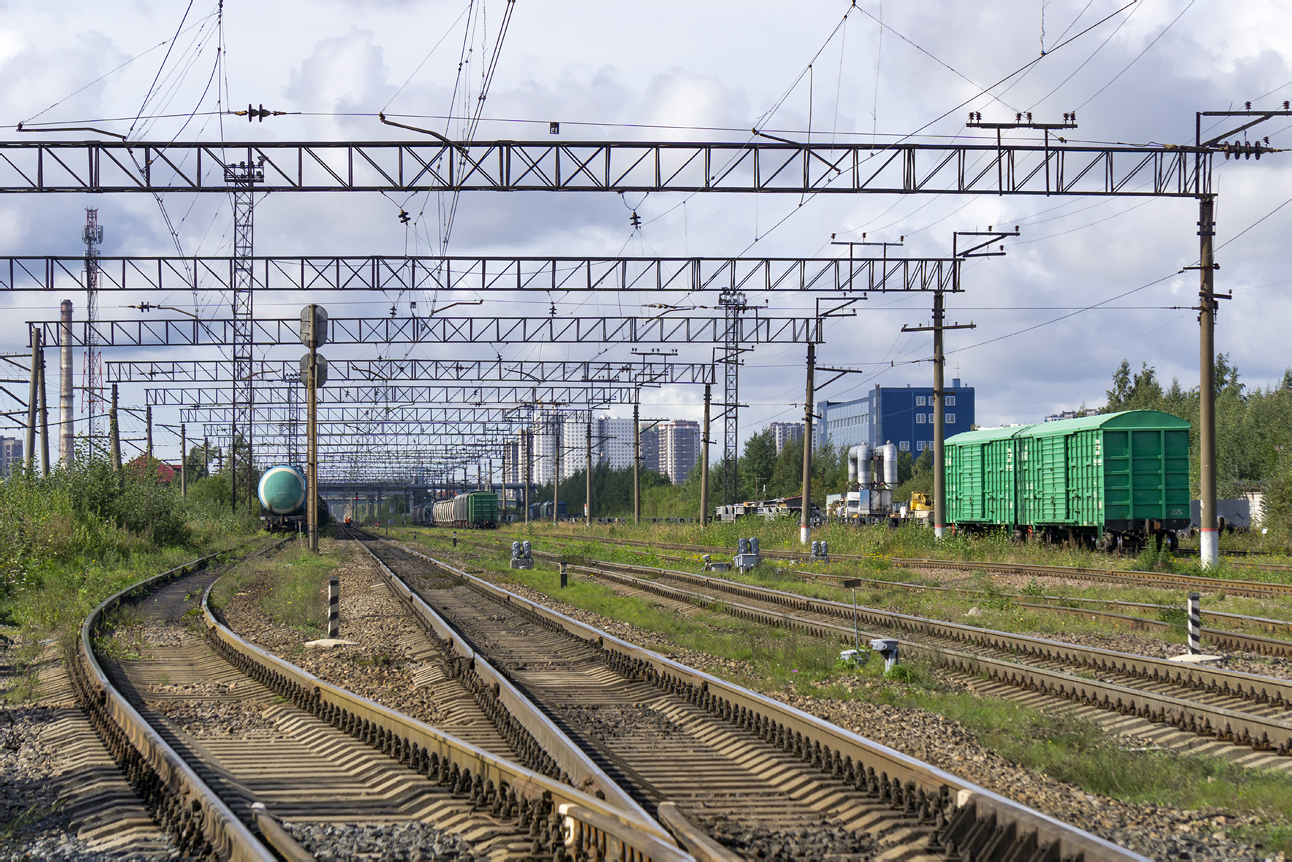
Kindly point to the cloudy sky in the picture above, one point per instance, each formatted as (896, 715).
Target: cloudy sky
(670, 70)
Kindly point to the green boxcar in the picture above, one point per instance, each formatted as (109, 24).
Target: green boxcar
(1113, 477)
(481, 508)
(982, 487)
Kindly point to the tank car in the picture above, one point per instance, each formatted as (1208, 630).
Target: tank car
(282, 496)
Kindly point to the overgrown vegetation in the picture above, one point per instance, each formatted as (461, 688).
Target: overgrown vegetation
(73, 538)
(290, 587)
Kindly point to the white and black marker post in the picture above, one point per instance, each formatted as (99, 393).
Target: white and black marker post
(334, 607)
(1195, 624)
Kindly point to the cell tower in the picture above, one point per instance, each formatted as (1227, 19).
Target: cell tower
(92, 402)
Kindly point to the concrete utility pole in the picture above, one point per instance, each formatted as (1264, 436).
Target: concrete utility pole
(33, 402)
(704, 460)
(527, 442)
(805, 515)
(1209, 539)
(556, 470)
(183, 460)
(67, 432)
(115, 430)
(587, 504)
(44, 420)
(981, 240)
(637, 465)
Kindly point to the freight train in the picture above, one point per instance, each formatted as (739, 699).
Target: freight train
(282, 495)
(477, 509)
(1116, 480)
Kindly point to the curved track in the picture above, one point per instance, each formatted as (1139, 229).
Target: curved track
(207, 726)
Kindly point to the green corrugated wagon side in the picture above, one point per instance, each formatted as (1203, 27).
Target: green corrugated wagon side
(981, 482)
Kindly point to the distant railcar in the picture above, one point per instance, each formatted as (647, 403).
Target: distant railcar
(477, 509)
(1114, 480)
(543, 511)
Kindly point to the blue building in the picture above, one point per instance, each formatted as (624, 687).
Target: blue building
(890, 414)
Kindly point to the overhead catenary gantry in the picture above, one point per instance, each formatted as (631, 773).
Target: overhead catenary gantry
(386, 396)
(486, 274)
(610, 166)
(663, 329)
(519, 371)
(760, 166)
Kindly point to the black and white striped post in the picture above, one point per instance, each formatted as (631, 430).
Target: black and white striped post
(333, 607)
(1195, 623)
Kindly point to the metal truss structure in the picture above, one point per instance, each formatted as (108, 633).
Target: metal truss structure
(519, 371)
(399, 421)
(482, 274)
(243, 178)
(628, 166)
(380, 395)
(753, 329)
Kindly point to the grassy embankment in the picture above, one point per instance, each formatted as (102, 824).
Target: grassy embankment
(290, 587)
(80, 535)
(983, 602)
(773, 661)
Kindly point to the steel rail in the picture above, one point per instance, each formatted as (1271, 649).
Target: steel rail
(1240, 727)
(588, 823)
(981, 817)
(583, 772)
(1257, 589)
(1222, 637)
(194, 814)
(1233, 725)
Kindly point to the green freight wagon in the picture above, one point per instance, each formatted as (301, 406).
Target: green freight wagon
(477, 509)
(982, 488)
(1108, 480)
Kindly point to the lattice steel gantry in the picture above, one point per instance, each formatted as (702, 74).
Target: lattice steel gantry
(92, 401)
(243, 178)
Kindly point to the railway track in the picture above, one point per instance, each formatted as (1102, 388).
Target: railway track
(1228, 639)
(724, 766)
(240, 755)
(1164, 580)
(1240, 708)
